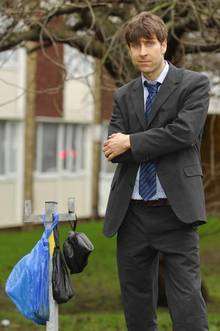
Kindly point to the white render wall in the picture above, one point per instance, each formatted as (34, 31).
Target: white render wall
(12, 88)
(78, 102)
(78, 86)
(12, 102)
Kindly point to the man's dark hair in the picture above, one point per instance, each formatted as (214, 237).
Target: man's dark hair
(145, 25)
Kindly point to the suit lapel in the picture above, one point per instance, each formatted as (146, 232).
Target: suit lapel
(170, 83)
(137, 97)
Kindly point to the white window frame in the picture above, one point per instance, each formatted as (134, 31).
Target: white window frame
(8, 131)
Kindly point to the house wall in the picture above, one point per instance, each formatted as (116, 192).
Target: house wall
(78, 102)
(12, 87)
(12, 102)
(73, 104)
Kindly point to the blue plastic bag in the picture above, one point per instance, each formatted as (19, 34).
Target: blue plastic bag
(28, 283)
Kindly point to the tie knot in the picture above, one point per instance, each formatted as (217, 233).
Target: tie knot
(152, 88)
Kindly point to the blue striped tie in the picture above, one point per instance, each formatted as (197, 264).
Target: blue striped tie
(147, 177)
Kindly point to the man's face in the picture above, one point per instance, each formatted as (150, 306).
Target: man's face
(148, 54)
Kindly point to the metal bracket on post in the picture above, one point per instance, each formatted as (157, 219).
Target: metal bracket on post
(50, 209)
(29, 217)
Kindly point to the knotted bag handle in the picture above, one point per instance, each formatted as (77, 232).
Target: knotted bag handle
(73, 224)
(55, 222)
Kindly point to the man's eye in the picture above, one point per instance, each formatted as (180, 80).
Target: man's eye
(150, 43)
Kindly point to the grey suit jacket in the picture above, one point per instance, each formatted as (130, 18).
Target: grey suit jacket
(171, 138)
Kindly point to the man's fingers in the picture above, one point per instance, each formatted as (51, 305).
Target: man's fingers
(111, 156)
(107, 152)
(107, 141)
(110, 138)
(107, 149)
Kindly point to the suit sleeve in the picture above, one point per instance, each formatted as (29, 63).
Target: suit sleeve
(117, 124)
(182, 132)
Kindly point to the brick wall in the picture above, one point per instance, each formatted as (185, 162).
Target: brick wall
(49, 81)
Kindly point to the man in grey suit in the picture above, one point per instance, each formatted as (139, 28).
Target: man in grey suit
(156, 199)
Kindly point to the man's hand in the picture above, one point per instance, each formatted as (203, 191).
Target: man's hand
(115, 145)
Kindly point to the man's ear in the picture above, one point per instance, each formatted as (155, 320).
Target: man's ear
(164, 46)
(128, 48)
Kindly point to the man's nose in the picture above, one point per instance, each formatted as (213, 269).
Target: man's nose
(143, 50)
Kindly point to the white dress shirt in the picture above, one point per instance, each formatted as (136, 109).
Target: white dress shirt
(160, 192)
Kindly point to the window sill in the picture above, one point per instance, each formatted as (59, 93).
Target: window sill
(8, 178)
(59, 175)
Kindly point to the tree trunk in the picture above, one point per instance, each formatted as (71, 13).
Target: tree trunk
(96, 142)
(30, 124)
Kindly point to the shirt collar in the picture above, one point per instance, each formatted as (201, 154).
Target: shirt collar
(160, 78)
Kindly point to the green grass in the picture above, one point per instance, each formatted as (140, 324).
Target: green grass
(105, 321)
(97, 305)
(85, 322)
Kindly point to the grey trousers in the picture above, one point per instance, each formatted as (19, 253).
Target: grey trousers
(146, 232)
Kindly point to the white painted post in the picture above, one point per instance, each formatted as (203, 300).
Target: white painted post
(50, 208)
(53, 323)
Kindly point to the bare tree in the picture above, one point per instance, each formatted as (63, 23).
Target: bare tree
(94, 27)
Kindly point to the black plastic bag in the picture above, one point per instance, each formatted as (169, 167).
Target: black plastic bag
(76, 249)
(61, 284)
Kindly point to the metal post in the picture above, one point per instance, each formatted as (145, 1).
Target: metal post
(50, 208)
(52, 324)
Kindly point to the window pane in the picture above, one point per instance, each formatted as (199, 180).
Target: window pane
(64, 152)
(49, 147)
(12, 148)
(82, 150)
(73, 150)
(2, 148)
(72, 147)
